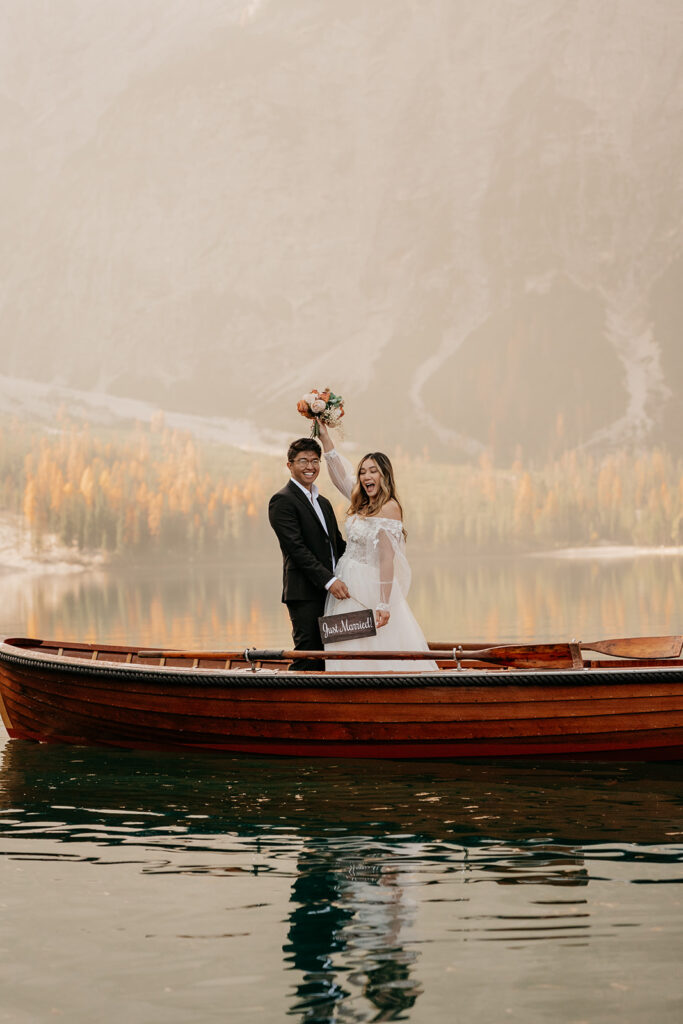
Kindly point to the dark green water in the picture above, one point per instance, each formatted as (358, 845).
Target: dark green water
(185, 889)
(150, 887)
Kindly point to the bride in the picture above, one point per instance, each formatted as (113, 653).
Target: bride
(374, 566)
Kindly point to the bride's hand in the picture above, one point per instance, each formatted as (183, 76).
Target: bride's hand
(382, 617)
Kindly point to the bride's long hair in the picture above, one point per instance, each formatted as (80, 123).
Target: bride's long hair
(361, 504)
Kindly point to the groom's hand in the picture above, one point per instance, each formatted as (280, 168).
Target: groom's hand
(339, 590)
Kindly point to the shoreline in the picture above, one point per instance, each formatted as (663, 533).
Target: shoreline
(17, 555)
(58, 561)
(608, 552)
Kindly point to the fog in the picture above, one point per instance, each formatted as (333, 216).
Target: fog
(465, 218)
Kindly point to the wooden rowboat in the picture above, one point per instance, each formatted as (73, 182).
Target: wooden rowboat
(524, 700)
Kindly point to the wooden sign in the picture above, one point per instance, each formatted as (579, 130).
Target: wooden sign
(349, 626)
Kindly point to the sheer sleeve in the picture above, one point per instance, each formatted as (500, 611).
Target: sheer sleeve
(394, 570)
(341, 472)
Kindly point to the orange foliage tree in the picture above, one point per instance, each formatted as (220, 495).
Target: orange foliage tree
(159, 490)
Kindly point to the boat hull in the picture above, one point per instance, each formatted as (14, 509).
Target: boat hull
(626, 713)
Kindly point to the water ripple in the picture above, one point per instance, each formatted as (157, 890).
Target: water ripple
(378, 883)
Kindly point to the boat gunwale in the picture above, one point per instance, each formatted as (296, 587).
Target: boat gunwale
(250, 676)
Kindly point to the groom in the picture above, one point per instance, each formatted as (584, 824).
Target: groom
(311, 545)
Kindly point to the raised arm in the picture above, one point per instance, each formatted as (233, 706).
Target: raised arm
(340, 470)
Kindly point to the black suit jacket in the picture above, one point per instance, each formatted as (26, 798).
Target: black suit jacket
(306, 556)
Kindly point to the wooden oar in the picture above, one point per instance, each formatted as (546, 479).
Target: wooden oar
(519, 655)
(559, 656)
(252, 654)
(638, 647)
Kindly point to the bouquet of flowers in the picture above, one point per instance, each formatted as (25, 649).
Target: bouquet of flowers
(321, 407)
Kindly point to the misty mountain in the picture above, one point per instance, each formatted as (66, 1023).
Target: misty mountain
(464, 218)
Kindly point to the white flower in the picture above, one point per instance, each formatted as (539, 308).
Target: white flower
(310, 398)
(318, 406)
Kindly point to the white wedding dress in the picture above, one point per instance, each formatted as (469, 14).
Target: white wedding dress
(375, 569)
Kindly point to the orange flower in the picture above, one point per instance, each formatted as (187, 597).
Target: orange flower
(303, 407)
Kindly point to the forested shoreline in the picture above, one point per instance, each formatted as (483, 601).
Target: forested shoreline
(148, 491)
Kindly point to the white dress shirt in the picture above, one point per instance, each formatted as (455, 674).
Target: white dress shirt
(312, 496)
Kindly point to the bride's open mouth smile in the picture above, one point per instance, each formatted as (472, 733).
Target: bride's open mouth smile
(368, 477)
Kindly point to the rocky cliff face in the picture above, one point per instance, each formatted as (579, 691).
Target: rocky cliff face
(464, 218)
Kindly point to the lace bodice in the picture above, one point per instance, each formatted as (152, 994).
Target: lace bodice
(363, 535)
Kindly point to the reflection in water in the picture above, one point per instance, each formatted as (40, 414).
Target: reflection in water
(545, 598)
(239, 605)
(202, 605)
(491, 808)
(315, 935)
(350, 906)
(380, 872)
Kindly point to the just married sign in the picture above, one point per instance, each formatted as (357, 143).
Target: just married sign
(349, 626)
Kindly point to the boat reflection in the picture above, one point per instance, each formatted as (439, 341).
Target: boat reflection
(356, 847)
(470, 804)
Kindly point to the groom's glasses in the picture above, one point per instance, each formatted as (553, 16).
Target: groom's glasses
(307, 462)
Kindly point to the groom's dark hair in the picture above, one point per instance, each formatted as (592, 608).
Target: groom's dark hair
(304, 444)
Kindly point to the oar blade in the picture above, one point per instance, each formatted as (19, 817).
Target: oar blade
(527, 656)
(638, 647)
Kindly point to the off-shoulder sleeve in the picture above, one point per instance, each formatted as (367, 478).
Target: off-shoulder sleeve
(341, 472)
(394, 570)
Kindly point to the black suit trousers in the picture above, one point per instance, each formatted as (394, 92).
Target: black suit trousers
(305, 632)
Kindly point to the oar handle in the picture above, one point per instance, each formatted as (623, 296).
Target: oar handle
(251, 654)
(527, 655)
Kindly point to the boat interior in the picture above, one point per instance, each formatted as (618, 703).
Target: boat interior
(448, 656)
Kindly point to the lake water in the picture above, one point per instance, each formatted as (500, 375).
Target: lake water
(186, 888)
(488, 599)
